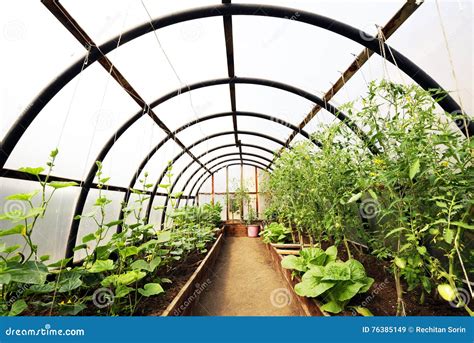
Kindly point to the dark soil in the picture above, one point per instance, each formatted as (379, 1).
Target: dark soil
(381, 299)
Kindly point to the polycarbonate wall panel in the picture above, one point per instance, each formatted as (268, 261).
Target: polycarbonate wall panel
(79, 121)
(302, 55)
(110, 17)
(88, 225)
(220, 181)
(271, 101)
(249, 178)
(35, 49)
(189, 106)
(174, 61)
(51, 232)
(206, 187)
(130, 150)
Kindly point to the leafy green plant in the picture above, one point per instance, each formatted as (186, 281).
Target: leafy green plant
(326, 277)
(275, 233)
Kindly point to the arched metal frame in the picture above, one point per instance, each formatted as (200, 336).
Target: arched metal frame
(202, 140)
(207, 178)
(215, 172)
(211, 167)
(418, 75)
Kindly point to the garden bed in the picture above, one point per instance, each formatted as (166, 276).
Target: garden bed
(188, 293)
(381, 299)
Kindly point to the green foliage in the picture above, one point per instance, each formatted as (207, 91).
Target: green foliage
(416, 191)
(275, 233)
(324, 276)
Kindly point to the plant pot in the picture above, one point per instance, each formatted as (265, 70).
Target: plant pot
(252, 230)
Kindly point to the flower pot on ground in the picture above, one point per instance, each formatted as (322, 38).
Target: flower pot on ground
(252, 227)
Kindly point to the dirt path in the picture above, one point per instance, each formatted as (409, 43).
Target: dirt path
(244, 283)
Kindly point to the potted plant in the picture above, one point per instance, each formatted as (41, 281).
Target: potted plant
(252, 226)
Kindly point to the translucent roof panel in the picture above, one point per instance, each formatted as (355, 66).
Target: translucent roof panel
(79, 120)
(301, 55)
(257, 152)
(26, 65)
(219, 152)
(190, 106)
(110, 17)
(264, 126)
(269, 144)
(130, 150)
(156, 67)
(275, 102)
(159, 161)
(206, 128)
(213, 142)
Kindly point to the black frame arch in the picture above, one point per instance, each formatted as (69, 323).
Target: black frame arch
(150, 204)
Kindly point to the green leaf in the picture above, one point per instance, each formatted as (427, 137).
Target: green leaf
(155, 263)
(5, 278)
(400, 262)
(331, 253)
(346, 290)
(122, 291)
(79, 247)
(113, 223)
(449, 235)
(421, 250)
(394, 231)
(18, 307)
(44, 258)
(42, 289)
(363, 311)
(32, 171)
(69, 281)
(61, 263)
(293, 262)
(373, 194)
(463, 225)
(140, 265)
(22, 196)
(151, 289)
(128, 251)
(88, 238)
(100, 266)
(62, 184)
(29, 272)
(17, 230)
(332, 306)
(123, 279)
(163, 236)
(336, 271)
(71, 309)
(7, 250)
(354, 198)
(414, 168)
(356, 268)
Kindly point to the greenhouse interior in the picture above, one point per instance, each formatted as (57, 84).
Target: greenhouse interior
(237, 158)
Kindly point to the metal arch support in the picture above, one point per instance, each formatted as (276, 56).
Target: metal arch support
(256, 134)
(217, 170)
(150, 204)
(213, 172)
(352, 33)
(178, 177)
(214, 116)
(163, 173)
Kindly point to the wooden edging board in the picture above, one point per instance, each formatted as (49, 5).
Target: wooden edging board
(308, 306)
(184, 301)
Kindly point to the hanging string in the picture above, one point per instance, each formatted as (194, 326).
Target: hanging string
(181, 83)
(84, 63)
(453, 71)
